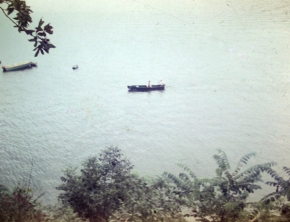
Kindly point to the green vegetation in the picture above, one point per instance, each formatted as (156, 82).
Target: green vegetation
(282, 185)
(224, 196)
(22, 20)
(105, 189)
(101, 188)
(19, 205)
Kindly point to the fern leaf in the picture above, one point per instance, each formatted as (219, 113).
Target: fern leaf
(243, 160)
(229, 176)
(173, 178)
(271, 197)
(258, 168)
(183, 176)
(287, 170)
(274, 184)
(186, 168)
(222, 160)
(274, 174)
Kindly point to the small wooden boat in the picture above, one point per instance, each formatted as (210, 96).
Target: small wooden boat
(75, 67)
(144, 88)
(19, 66)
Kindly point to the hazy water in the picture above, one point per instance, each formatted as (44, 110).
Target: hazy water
(226, 69)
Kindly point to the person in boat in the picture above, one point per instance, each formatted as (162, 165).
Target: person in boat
(149, 84)
(161, 83)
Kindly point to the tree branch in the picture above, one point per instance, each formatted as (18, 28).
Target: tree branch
(23, 20)
(3, 10)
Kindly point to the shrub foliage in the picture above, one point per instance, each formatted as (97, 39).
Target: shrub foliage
(223, 197)
(105, 189)
(20, 205)
(101, 187)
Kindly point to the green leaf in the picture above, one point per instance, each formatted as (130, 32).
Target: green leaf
(10, 10)
(29, 31)
(36, 54)
(50, 46)
(48, 28)
(40, 23)
(41, 33)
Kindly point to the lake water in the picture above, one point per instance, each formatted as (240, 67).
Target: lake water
(225, 65)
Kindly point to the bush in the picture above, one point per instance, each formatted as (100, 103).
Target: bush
(20, 205)
(101, 188)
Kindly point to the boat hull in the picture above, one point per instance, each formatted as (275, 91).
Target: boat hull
(19, 66)
(144, 88)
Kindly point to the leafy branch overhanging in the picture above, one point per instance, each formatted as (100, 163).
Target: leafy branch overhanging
(22, 20)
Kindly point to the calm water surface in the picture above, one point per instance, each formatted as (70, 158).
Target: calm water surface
(226, 69)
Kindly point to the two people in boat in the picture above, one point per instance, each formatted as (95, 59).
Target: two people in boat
(160, 83)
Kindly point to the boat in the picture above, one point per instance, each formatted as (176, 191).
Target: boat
(75, 67)
(144, 88)
(19, 66)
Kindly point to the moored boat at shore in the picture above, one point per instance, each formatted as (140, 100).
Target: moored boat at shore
(19, 66)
